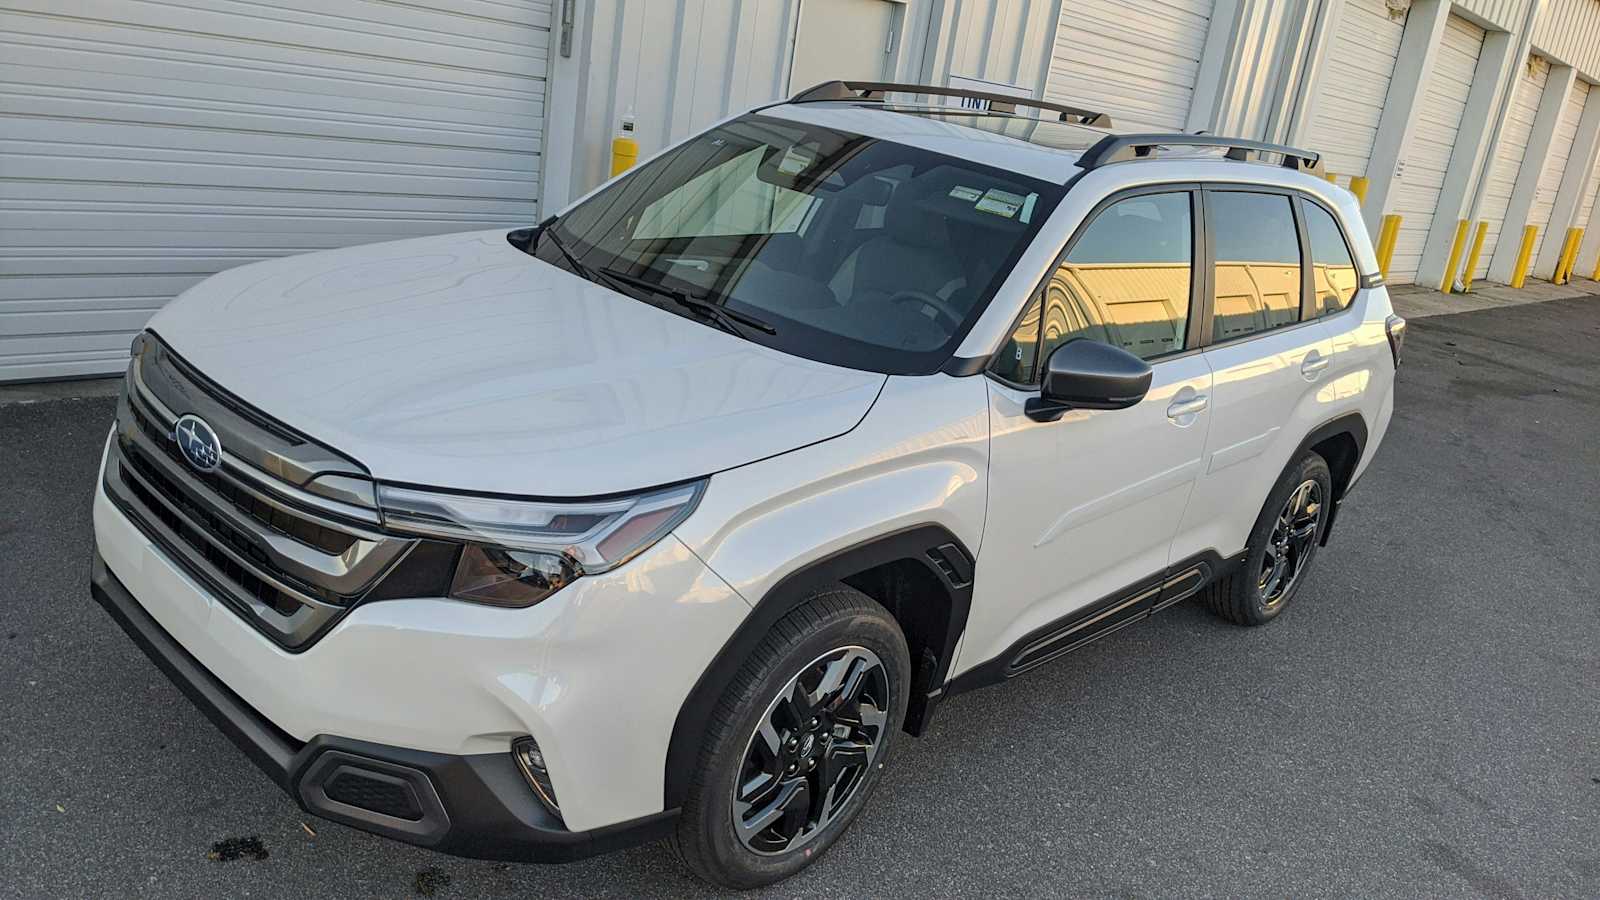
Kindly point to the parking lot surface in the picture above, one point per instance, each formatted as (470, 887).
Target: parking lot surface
(1425, 721)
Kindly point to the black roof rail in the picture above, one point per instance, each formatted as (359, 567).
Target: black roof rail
(1002, 103)
(1123, 147)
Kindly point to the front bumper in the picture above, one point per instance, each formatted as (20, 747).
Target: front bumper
(437, 690)
(469, 805)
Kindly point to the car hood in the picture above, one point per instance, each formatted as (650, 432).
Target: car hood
(459, 361)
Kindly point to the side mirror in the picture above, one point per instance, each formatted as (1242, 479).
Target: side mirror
(1085, 374)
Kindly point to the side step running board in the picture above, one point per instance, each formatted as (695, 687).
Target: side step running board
(1104, 618)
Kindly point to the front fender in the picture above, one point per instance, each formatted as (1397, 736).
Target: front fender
(919, 457)
(909, 483)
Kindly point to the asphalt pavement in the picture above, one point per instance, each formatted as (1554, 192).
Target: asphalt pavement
(1424, 722)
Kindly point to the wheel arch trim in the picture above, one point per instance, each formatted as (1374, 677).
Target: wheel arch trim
(924, 544)
(1355, 426)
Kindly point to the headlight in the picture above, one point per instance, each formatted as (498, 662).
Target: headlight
(520, 551)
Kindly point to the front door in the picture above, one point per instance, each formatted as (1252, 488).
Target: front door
(1082, 510)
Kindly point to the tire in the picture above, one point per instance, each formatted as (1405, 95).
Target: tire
(1249, 595)
(836, 631)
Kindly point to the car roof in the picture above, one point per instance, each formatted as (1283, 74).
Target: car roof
(1039, 148)
(1043, 148)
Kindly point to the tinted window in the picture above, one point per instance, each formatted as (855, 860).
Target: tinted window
(857, 251)
(1126, 280)
(1333, 272)
(1258, 263)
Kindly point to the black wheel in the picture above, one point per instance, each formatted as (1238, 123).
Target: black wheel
(797, 742)
(1281, 548)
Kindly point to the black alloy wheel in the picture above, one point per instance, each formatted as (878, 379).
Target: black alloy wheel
(1291, 544)
(811, 750)
(797, 742)
(1281, 546)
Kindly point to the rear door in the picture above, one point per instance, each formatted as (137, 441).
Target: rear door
(1269, 353)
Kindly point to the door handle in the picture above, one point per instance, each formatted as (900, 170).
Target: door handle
(1189, 407)
(1313, 365)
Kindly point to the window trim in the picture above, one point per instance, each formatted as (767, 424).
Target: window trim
(1199, 282)
(1349, 250)
(1303, 240)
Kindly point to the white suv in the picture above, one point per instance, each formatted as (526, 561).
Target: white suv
(668, 516)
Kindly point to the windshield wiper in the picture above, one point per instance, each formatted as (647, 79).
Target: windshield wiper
(729, 319)
(548, 232)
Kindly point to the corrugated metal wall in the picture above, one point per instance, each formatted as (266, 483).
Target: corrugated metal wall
(1354, 83)
(996, 40)
(1569, 31)
(144, 146)
(1137, 60)
(1507, 15)
(678, 65)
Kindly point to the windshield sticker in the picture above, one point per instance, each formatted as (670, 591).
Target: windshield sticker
(965, 193)
(1000, 203)
(1027, 208)
(794, 162)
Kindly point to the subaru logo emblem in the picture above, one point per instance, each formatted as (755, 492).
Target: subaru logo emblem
(198, 443)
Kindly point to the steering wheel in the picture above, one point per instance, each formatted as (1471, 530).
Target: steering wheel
(941, 307)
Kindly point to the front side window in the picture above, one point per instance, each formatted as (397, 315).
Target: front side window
(1334, 278)
(1018, 359)
(855, 251)
(1257, 250)
(1126, 280)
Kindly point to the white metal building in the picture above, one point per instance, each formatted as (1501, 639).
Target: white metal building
(145, 144)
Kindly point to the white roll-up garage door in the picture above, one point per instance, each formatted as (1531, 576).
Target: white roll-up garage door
(1135, 59)
(1427, 154)
(1555, 165)
(1353, 85)
(1590, 190)
(145, 145)
(1508, 158)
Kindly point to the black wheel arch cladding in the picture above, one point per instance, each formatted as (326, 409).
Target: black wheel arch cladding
(896, 570)
(1342, 443)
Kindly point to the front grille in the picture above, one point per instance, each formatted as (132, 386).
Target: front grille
(199, 539)
(281, 555)
(304, 530)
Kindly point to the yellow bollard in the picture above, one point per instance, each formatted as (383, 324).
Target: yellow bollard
(1561, 259)
(1472, 258)
(1519, 275)
(1358, 186)
(1569, 256)
(1388, 233)
(1460, 244)
(1332, 178)
(1596, 275)
(624, 153)
(624, 147)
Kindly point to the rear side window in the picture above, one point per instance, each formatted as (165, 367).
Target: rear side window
(1258, 263)
(1333, 278)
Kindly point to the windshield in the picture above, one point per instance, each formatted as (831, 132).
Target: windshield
(828, 245)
